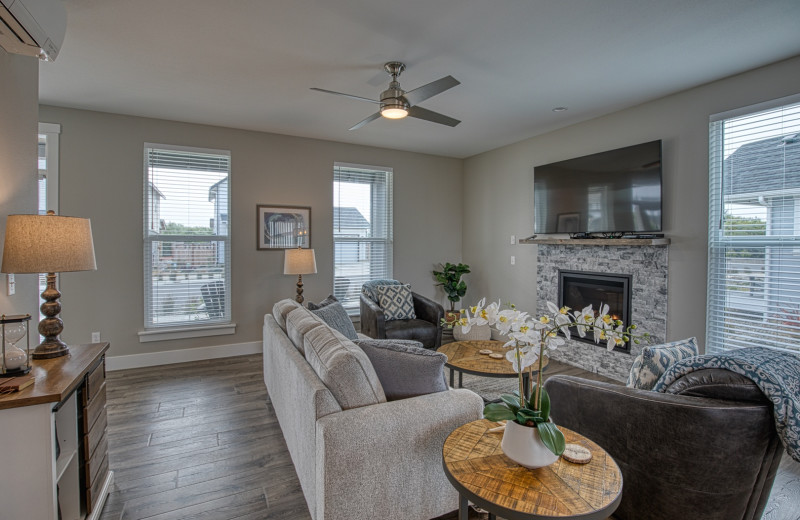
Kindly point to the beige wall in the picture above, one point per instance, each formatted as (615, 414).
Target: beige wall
(19, 108)
(101, 178)
(498, 188)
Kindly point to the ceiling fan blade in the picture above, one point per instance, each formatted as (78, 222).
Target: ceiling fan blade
(358, 98)
(420, 94)
(373, 117)
(430, 115)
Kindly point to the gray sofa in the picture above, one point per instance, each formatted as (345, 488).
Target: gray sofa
(357, 456)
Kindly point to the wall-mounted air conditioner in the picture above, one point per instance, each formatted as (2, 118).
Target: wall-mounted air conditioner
(33, 27)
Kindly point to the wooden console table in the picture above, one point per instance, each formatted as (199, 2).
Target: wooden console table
(53, 447)
(476, 466)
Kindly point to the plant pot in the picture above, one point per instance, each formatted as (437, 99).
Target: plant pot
(523, 445)
(452, 316)
(476, 333)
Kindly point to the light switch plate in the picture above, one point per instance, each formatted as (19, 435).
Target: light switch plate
(513, 239)
(513, 260)
(11, 284)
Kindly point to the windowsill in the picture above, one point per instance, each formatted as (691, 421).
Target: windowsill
(165, 334)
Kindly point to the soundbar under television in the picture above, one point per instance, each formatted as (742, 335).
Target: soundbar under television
(618, 191)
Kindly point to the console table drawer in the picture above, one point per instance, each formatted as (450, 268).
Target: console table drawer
(92, 439)
(96, 407)
(95, 488)
(95, 379)
(93, 465)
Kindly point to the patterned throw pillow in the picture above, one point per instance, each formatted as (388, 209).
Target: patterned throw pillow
(370, 288)
(396, 302)
(654, 360)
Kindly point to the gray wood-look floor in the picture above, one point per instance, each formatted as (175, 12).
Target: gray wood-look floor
(200, 440)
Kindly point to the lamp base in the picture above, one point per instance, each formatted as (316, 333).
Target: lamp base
(299, 298)
(50, 348)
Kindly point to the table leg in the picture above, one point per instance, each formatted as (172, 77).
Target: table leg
(492, 516)
(452, 378)
(460, 379)
(463, 508)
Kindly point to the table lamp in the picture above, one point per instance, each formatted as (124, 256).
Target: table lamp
(48, 244)
(299, 261)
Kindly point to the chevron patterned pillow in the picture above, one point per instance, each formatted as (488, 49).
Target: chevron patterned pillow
(396, 302)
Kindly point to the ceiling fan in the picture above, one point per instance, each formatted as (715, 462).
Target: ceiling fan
(396, 103)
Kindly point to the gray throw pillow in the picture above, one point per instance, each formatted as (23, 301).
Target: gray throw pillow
(404, 369)
(336, 317)
(324, 303)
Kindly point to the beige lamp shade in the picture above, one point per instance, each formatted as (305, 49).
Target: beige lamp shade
(47, 244)
(299, 261)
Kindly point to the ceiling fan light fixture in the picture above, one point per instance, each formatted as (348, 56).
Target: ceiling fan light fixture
(394, 110)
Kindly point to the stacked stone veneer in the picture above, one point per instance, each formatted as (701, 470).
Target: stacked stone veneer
(648, 267)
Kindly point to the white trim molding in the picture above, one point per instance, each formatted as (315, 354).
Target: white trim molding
(169, 357)
(146, 336)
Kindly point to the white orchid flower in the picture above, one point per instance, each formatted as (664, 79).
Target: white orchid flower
(616, 338)
(564, 320)
(583, 318)
(505, 320)
(478, 313)
(552, 341)
(602, 323)
(527, 357)
(492, 312)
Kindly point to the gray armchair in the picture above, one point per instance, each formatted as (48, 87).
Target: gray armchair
(705, 449)
(426, 328)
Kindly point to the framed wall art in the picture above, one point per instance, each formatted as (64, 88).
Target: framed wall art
(282, 227)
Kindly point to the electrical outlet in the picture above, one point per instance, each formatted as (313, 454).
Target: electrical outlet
(95, 337)
(513, 240)
(12, 285)
(513, 260)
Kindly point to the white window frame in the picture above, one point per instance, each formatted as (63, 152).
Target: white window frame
(387, 241)
(215, 327)
(758, 324)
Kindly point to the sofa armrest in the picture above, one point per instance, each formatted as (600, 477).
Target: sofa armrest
(368, 457)
(373, 321)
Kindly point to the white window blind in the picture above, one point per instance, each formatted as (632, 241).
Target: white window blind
(362, 229)
(187, 254)
(754, 230)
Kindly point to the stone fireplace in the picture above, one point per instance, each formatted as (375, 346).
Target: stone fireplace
(644, 263)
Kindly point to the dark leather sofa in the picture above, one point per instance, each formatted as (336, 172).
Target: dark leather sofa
(707, 449)
(426, 328)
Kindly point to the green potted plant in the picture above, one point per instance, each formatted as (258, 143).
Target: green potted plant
(449, 279)
(530, 438)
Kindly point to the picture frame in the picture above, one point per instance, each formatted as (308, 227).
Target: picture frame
(567, 222)
(282, 227)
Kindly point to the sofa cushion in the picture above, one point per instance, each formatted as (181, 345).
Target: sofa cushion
(654, 360)
(343, 367)
(335, 316)
(281, 309)
(370, 288)
(327, 301)
(298, 323)
(405, 369)
(396, 302)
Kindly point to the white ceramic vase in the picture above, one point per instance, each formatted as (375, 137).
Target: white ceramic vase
(523, 445)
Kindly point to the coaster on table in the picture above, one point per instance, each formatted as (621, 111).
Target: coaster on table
(484, 351)
(494, 355)
(577, 454)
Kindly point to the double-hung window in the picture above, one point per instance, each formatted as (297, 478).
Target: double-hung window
(187, 241)
(362, 229)
(754, 228)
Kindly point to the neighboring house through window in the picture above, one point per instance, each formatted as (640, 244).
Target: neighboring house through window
(754, 228)
(187, 267)
(362, 229)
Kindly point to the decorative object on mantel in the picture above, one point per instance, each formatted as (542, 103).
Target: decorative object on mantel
(455, 288)
(15, 361)
(530, 438)
(299, 261)
(48, 244)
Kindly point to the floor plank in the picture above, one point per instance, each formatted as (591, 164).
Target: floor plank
(200, 441)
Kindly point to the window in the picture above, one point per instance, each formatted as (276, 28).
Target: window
(362, 229)
(186, 240)
(754, 228)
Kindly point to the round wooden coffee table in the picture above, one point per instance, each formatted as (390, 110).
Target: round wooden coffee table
(464, 357)
(476, 466)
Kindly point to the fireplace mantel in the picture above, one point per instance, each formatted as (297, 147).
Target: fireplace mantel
(597, 241)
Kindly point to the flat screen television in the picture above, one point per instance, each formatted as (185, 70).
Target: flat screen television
(618, 191)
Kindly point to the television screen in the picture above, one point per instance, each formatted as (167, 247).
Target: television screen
(618, 191)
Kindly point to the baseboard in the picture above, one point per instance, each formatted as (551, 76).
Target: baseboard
(169, 357)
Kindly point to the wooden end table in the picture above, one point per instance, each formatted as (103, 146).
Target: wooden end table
(475, 465)
(463, 356)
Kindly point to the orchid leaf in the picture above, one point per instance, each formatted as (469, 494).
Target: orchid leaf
(552, 437)
(498, 412)
(511, 401)
(526, 414)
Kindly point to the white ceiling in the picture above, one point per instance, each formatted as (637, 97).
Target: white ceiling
(249, 63)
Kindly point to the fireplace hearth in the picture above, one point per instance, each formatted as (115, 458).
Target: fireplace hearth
(577, 289)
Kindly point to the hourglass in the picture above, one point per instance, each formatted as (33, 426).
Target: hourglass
(15, 361)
